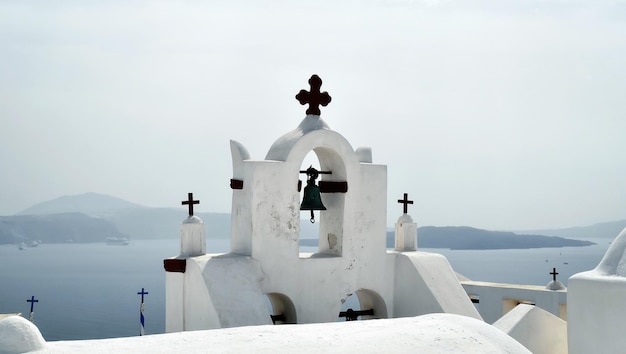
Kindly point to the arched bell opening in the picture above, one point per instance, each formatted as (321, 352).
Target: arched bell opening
(281, 309)
(364, 304)
(348, 306)
(309, 232)
(322, 191)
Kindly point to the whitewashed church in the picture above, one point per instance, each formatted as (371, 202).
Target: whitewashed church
(267, 296)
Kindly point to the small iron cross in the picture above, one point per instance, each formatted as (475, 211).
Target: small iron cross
(314, 98)
(554, 274)
(32, 302)
(406, 202)
(190, 202)
(142, 293)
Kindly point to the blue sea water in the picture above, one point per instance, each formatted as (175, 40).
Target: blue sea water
(88, 291)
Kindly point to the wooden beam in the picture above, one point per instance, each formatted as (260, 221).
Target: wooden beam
(175, 265)
(236, 184)
(333, 187)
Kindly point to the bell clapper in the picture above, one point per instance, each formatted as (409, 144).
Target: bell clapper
(312, 217)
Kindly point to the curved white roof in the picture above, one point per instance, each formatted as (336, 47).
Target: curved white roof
(433, 333)
(614, 260)
(281, 147)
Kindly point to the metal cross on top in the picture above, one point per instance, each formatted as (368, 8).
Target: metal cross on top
(314, 98)
(142, 319)
(406, 202)
(190, 202)
(554, 274)
(142, 293)
(32, 302)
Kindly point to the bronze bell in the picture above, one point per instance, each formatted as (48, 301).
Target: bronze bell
(312, 198)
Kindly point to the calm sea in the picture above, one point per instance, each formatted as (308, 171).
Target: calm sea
(88, 291)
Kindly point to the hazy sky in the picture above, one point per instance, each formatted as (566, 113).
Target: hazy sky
(494, 114)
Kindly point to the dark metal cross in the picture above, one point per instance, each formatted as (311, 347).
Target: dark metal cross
(32, 302)
(406, 202)
(190, 202)
(142, 293)
(554, 274)
(314, 98)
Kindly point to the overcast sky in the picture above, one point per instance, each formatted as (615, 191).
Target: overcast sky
(493, 114)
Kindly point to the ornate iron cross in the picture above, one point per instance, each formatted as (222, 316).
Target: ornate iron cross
(314, 98)
(406, 202)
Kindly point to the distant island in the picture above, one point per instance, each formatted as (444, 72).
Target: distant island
(55, 228)
(469, 238)
(94, 217)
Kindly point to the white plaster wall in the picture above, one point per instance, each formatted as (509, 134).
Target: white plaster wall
(411, 295)
(233, 283)
(216, 291)
(369, 214)
(192, 238)
(316, 285)
(174, 297)
(323, 283)
(199, 311)
(596, 313)
(538, 330)
(493, 295)
(425, 283)
(266, 226)
(596, 308)
(241, 222)
(406, 234)
(241, 217)
(275, 211)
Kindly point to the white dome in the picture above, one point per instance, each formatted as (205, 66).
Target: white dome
(18, 335)
(405, 219)
(555, 285)
(193, 220)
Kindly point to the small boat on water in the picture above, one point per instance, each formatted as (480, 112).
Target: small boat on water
(21, 246)
(32, 243)
(117, 241)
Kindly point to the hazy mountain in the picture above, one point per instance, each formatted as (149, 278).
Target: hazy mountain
(601, 230)
(137, 221)
(64, 218)
(92, 204)
(130, 219)
(55, 228)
